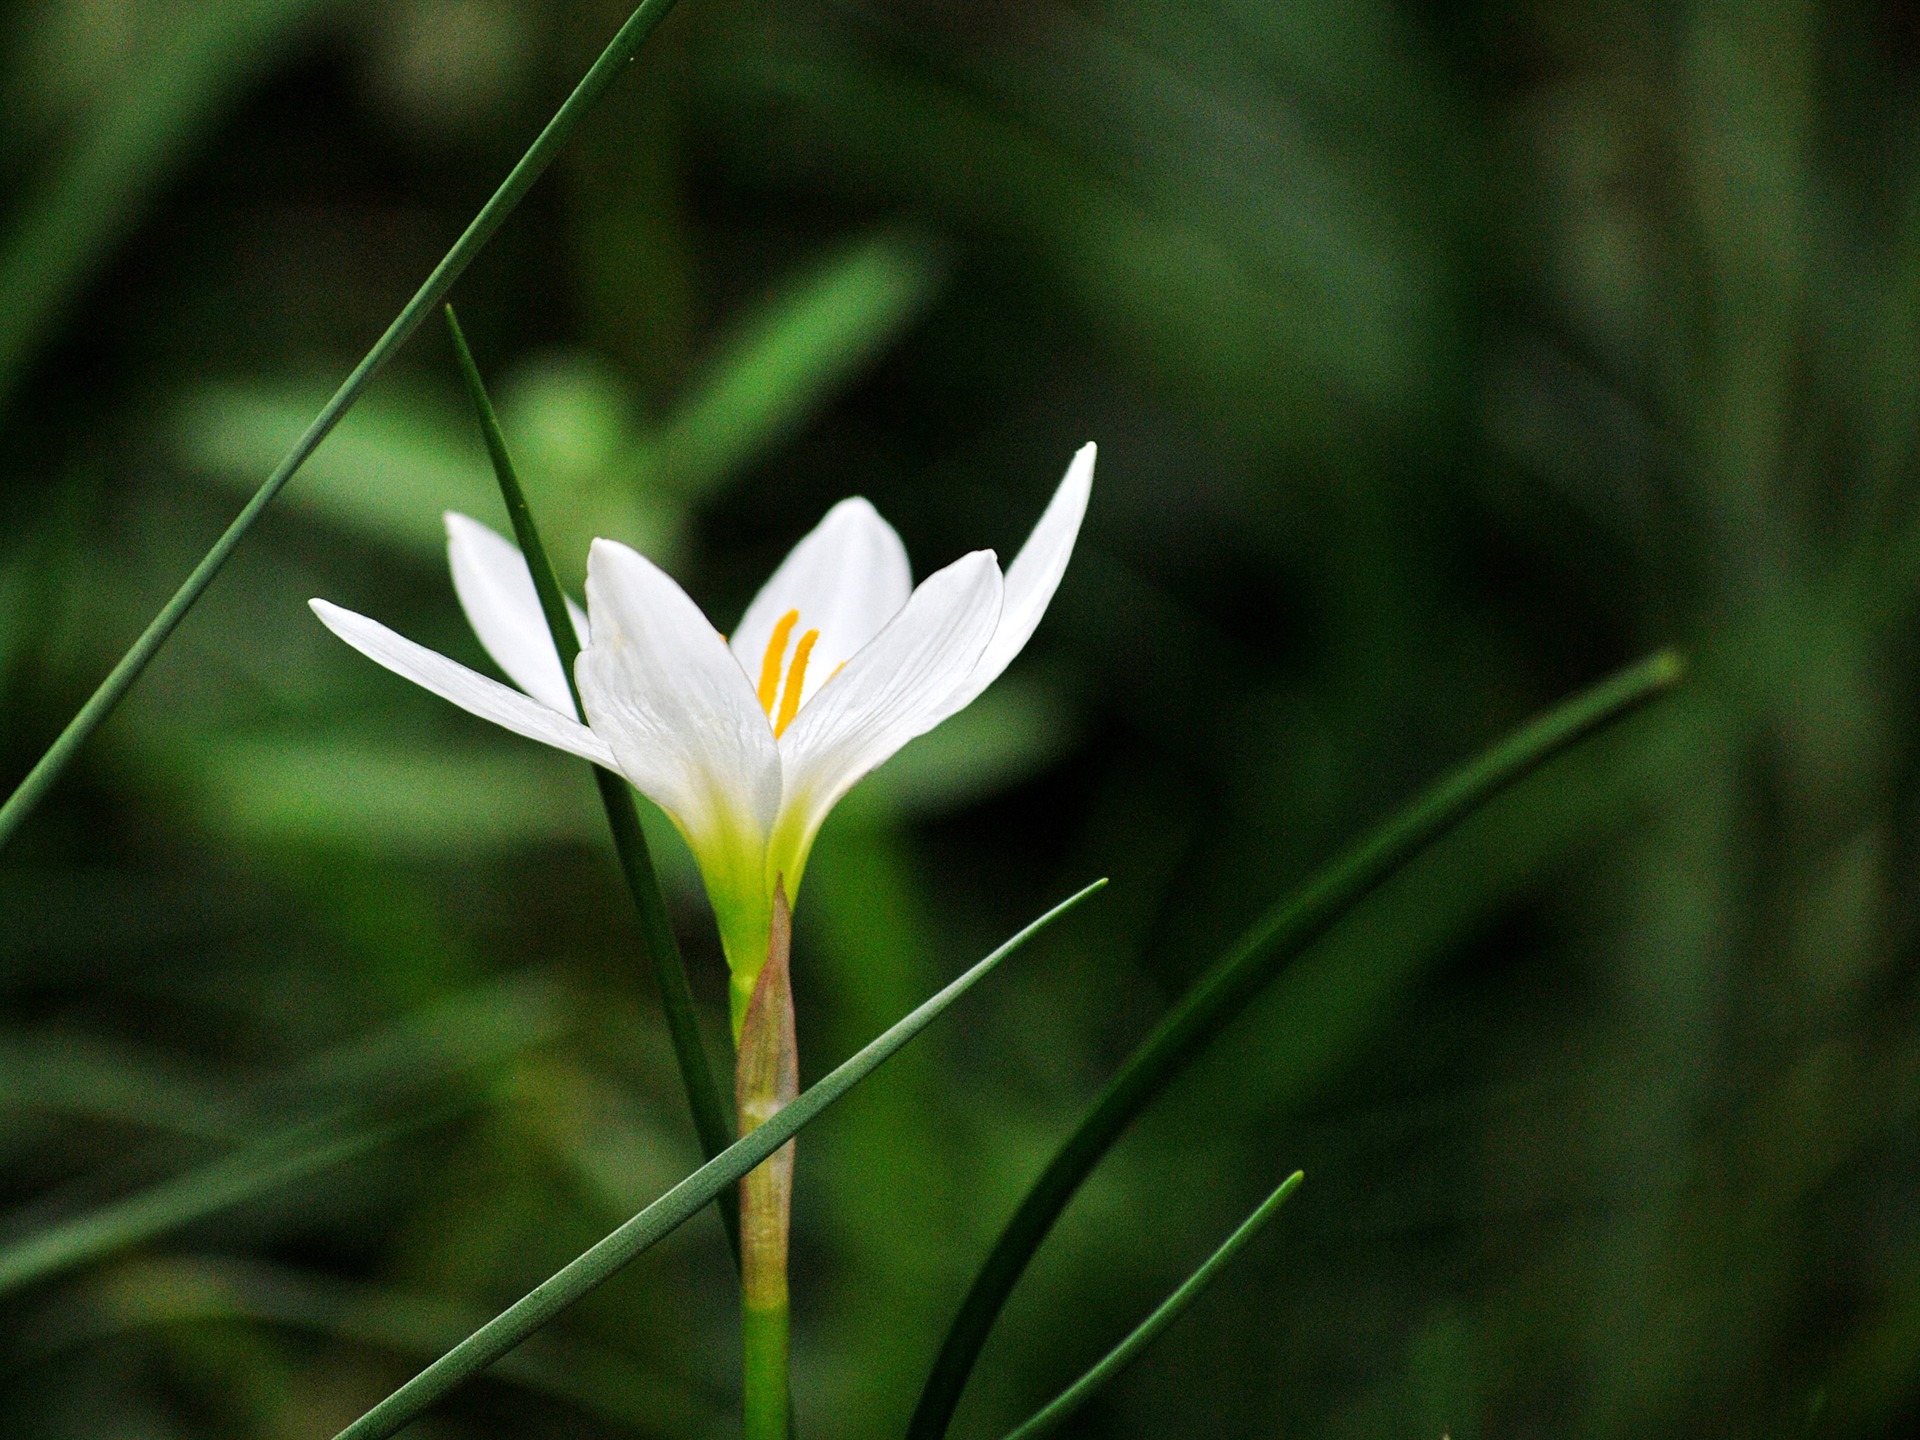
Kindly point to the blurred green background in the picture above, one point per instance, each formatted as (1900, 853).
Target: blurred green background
(1442, 357)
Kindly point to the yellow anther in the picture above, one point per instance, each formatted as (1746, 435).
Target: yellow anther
(796, 677)
(776, 652)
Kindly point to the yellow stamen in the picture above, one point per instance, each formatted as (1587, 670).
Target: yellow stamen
(796, 677)
(776, 652)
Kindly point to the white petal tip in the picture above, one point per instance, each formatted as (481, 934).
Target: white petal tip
(853, 505)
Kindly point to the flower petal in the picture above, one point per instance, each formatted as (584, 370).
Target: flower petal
(471, 691)
(900, 685)
(661, 687)
(1035, 573)
(495, 587)
(847, 578)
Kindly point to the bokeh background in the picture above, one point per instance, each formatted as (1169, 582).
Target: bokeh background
(1443, 356)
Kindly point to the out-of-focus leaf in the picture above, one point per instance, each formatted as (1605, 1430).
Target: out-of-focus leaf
(143, 123)
(262, 1168)
(86, 1076)
(333, 789)
(787, 357)
(144, 1294)
(388, 472)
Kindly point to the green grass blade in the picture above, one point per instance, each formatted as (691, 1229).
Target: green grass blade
(1148, 1330)
(669, 1212)
(595, 83)
(1243, 973)
(710, 1114)
(260, 1169)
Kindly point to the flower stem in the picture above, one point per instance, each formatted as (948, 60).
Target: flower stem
(766, 1079)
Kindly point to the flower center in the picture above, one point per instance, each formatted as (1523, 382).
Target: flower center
(772, 663)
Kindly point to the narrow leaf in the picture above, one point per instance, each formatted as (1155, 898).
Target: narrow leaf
(594, 84)
(1289, 928)
(653, 1224)
(623, 817)
(1170, 1309)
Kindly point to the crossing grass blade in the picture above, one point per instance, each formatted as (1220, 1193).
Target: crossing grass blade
(1147, 1331)
(653, 1224)
(593, 85)
(1289, 928)
(623, 817)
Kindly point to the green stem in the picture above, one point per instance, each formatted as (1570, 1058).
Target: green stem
(594, 84)
(588, 1271)
(623, 816)
(766, 1080)
(763, 1336)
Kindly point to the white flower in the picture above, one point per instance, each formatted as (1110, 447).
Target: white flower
(746, 744)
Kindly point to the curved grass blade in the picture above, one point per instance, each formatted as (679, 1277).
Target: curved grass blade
(1148, 1330)
(669, 1212)
(595, 83)
(1290, 927)
(623, 817)
(260, 1169)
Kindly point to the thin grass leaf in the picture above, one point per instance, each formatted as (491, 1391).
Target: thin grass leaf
(710, 1116)
(1289, 928)
(294, 1154)
(660, 1219)
(1148, 1330)
(594, 84)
